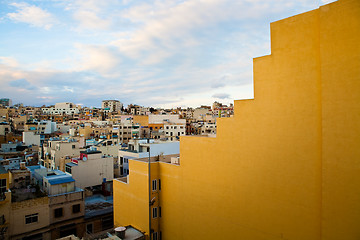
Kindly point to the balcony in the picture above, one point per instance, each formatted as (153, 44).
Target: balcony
(76, 195)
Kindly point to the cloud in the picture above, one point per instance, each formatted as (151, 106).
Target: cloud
(91, 14)
(146, 52)
(22, 84)
(102, 59)
(9, 61)
(90, 20)
(32, 15)
(221, 96)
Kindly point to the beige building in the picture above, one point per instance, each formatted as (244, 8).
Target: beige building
(53, 150)
(30, 219)
(91, 168)
(4, 129)
(174, 131)
(111, 105)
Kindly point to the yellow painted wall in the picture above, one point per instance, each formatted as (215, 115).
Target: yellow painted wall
(86, 131)
(143, 120)
(131, 199)
(287, 165)
(5, 206)
(7, 177)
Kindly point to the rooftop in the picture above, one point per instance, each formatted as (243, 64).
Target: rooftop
(162, 158)
(90, 152)
(98, 205)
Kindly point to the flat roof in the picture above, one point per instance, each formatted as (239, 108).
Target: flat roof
(162, 158)
(71, 164)
(59, 179)
(90, 152)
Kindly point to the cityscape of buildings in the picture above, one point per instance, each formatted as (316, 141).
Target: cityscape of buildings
(284, 165)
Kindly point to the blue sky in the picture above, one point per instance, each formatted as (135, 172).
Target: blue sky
(154, 53)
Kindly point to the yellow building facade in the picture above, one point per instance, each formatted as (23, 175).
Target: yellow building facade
(287, 165)
(5, 203)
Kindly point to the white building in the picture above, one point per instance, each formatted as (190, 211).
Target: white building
(208, 128)
(111, 105)
(61, 108)
(91, 168)
(168, 118)
(174, 131)
(46, 127)
(30, 138)
(201, 113)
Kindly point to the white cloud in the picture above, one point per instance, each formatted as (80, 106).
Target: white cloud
(91, 14)
(9, 61)
(97, 58)
(90, 20)
(32, 15)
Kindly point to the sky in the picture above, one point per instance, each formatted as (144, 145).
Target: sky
(169, 53)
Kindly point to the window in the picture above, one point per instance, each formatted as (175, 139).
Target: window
(89, 228)
(159, 184)
(2, 185)
(155, 236)
(76, 208)
(58, 212)
(31, 218)
(159, 211)
(154, 212)
(73, 146)
(34, 237)
(68, 169)
(154, 185)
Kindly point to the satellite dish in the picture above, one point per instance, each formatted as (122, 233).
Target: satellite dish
(84, 159)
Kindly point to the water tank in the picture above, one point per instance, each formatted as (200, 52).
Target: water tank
(120, 232)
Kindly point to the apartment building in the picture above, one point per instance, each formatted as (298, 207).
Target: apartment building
(46, 127)
(286, 165)
(91, 168)
(30, 213)
(111, 105)
(5, 128)
(56, 148)
(30, 138)
(5, 102)
(61, 108)
(174, 131)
